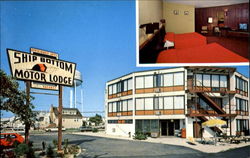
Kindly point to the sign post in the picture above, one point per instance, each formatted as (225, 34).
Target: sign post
(27, 127)
(43, 67)
(60, 106)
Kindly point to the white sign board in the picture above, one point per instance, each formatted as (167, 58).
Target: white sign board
(25, 66)
(39, 85)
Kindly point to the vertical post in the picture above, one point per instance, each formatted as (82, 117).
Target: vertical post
(27, 125)
(230, 117)
(60, 106)
(75, 93)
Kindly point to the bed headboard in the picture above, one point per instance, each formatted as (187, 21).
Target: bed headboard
(149, 49)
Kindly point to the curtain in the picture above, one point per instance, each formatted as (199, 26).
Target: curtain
(139, 104)
(149, 103)
(148, 81)
(139, 82)
(130, 105)
(168, 103)
(130, 84)
(179, 102)
(124, 105)
(168, 79)
(178, 79)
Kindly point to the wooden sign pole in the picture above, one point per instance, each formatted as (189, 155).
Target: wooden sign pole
(27, 126)
(60, 106)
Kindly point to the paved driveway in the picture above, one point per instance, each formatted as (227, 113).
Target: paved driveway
(106, 147)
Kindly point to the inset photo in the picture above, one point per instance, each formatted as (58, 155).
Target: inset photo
(177, 33)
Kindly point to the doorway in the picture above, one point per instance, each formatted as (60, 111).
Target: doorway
(168, 127)
(197, 129)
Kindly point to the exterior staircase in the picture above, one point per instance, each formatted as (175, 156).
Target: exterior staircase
(210, 102)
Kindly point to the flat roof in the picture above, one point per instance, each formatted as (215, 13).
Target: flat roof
(221, 69)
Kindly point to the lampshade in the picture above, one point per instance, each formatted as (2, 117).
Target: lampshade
(210, 20)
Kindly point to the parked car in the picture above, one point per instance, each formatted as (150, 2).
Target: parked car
(9, 139)
(53, 129)
(85, 128)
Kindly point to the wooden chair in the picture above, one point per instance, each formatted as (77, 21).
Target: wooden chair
(217, 31)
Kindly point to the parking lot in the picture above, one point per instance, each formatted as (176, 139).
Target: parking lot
(107, 147)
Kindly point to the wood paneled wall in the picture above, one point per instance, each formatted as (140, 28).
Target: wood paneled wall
(236, 14)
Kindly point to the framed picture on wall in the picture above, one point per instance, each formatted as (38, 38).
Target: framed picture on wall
(176, 12)
(186, 12)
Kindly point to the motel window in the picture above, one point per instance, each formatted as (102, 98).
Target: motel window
(223, 81)
(139, 82)
(125, 85)
(243, 126)
(156, 103)
(158, 80)
(149, 82)
(130, 105)
(139, 104)
(241, 84)
(124, 105)
(179, 102)
(198, 79)
(110, 89)
(129, 121)
(109, 107)
(237, 104)
(149, 103)
(168, 79)
(237, 83)
(147, 126)
(215, 80)
(130, 84)
(118, 104)
(114, 107)
(204, 105)
(168, 102)
(178, 79)
(206, 81)
(119, 87)
(114, 88)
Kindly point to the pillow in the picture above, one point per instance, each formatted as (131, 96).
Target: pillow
(169, 37)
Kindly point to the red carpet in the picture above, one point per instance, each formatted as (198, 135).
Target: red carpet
(211, 53)
(237, 45)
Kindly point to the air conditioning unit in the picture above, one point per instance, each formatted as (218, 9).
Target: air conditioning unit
(157, 90)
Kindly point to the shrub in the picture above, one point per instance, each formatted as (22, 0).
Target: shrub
(24, 149)
(50, 151)
(73, 149)
(66, 143)
(94, 130)
(140, 136)
(55, 143)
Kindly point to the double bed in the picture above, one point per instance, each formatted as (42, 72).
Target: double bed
(185, 40)
(209, 53)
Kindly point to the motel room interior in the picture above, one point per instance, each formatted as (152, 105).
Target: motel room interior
(188, 31)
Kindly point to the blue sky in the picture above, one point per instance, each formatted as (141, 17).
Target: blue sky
(100, 36)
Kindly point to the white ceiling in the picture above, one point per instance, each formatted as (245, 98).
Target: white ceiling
(208, 3)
